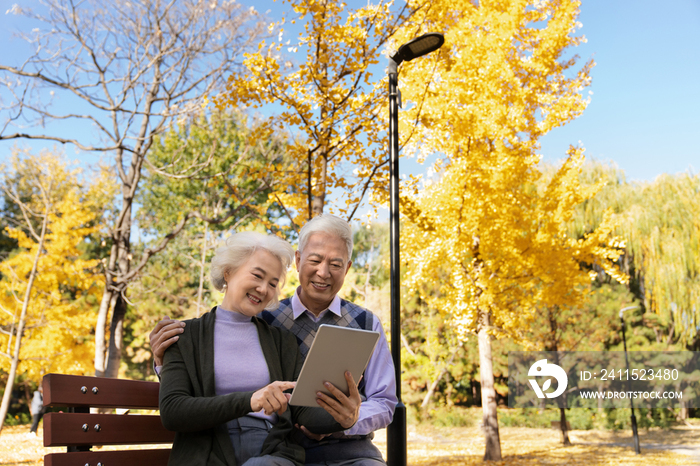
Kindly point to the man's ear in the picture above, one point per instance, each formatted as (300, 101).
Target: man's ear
(297, 259)
(347, 268)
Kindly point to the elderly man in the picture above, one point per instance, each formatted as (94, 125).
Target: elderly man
(323, 261)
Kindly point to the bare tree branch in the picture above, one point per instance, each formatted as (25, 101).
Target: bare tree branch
(119, 74)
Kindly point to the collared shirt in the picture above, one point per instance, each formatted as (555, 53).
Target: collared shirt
(377, 411)
(298, 308)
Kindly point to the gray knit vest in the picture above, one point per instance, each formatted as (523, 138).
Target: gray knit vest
(304, 327)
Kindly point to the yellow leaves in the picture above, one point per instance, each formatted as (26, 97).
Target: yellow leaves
(329, 101)
(59, 321)
(463, 446)
(500, 68)
(500, 228)
(415, 215)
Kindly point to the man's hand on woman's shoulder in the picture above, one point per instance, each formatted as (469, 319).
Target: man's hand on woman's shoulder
(166, 333)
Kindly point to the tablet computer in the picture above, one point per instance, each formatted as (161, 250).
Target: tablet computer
(333, 351)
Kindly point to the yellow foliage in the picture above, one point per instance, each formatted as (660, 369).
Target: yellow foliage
(495, 88)
(60, 316)
(459, 446)
(329, 99)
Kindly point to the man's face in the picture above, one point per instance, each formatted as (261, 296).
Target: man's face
(322, 268)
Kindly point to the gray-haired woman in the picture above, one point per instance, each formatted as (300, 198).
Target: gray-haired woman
(222, 384)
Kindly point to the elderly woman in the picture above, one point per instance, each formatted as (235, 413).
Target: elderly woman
(222, 384)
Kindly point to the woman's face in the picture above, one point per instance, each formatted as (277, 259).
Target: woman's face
(253, 285)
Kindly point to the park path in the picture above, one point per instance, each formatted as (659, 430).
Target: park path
(684, 440)
(692, 451)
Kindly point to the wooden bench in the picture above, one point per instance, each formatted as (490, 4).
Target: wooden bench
(80, 431)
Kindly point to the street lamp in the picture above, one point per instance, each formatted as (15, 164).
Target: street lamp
(629, 382)
(396, 432)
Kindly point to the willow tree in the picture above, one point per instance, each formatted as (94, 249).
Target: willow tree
(659, 222)
(501, 82)
(330, 101)
(108, 77)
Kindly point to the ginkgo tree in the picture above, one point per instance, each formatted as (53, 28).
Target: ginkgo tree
(48, 289)
(501, 81)
(330, 101)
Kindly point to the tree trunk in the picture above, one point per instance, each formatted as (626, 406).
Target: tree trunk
(683, 414)
(116, 333)
(435, 384)
(5, 406)
(564, 427)
(562, 409)
(488, 392)
(319, 201)
(100, 326)
(120, 261)
(202, 266)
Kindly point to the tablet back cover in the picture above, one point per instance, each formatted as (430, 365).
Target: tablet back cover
(334, 351)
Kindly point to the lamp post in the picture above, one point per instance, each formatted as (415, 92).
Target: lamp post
(396, 432)
(629, 382)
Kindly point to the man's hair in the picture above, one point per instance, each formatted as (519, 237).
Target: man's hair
(330, 224)
(238, 248)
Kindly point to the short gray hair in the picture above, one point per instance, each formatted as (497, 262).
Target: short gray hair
(238, 248)
(330, 224)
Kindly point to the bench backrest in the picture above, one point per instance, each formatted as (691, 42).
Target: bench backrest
(79, 430)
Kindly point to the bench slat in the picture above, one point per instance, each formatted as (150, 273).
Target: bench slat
(107, 458)
(66, 429)
(65, 390)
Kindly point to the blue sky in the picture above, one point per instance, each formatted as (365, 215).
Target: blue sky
(645, 109)
(644, 112)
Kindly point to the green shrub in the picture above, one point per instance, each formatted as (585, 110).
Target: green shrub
(578, 419)
(452, 417)
(583, 419)
(526, 417)
(620, 418)
(442, 416)
(17, 419)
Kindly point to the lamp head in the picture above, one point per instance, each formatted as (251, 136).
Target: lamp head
(419, 46)
(628, 308)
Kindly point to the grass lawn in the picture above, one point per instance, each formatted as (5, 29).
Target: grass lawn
(432, 446)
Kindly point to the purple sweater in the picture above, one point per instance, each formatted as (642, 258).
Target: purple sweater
(239, 363)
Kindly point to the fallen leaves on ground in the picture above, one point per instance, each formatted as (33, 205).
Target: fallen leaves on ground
(18, 447)
(431, 446)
